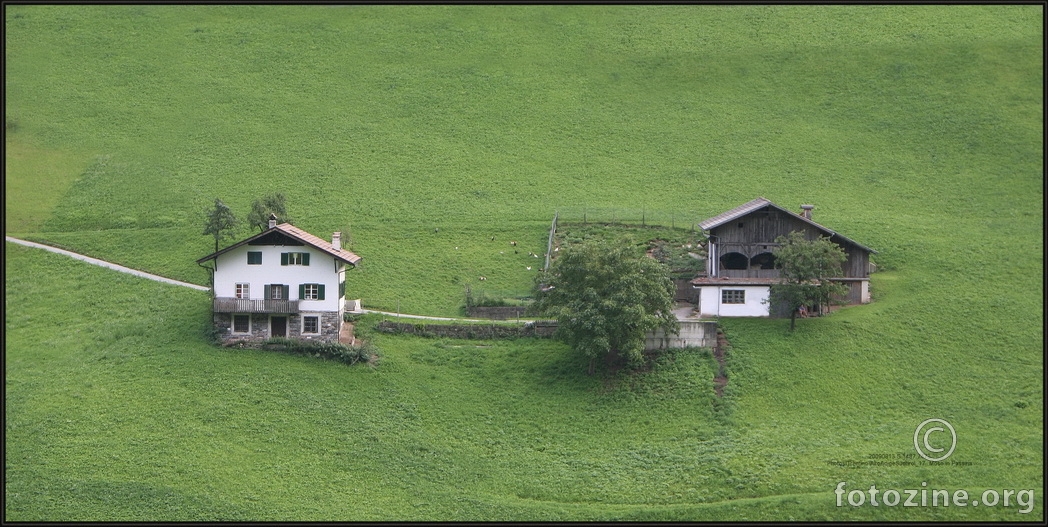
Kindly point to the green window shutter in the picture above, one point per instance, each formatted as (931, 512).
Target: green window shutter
(320, 291)
(254, 258)
(283, 258)
(269, 292)
(341, 289)
(305, 258)
(286, 291)
(301, 291)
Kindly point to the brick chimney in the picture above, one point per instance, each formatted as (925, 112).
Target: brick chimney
(336, 241)
(272, 220)
(806, 211)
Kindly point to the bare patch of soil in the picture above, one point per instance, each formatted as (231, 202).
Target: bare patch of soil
(721, 380)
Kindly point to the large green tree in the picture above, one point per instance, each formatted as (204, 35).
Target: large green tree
(805, 267)
(219, 221)
(605, 298)
(262, 208)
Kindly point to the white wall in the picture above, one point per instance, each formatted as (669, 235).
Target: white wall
(693, 333)
(710, 301)
(233, 269)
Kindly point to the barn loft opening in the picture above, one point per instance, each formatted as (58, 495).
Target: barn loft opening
(763, 261)
(734, 261)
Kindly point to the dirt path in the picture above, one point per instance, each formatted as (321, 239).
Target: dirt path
(143, 274)
(721, 380)
(103, 263)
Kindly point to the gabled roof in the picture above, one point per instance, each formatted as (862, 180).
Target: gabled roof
(732, 214)
(759, 204)
(293, 232)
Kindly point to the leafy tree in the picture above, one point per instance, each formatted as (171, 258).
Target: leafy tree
(805, 266)
(262, 208)
(605, 298)
(220, 221)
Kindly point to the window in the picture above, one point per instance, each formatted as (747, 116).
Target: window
(241, 323)
(276, 292)
(254, 258)
(733, 296)
(341, 289)
(310, 292)
(243, 291)
(294, 258)
(310, 324)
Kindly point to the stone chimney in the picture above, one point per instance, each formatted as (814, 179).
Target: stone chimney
(272, 220)
(336, 241)
(806, 211)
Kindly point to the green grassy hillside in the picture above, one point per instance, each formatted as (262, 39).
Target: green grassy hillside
(917, 131)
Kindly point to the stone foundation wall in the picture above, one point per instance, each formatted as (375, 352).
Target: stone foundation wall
(329, 327)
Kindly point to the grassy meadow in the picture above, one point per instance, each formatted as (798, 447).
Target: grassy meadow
(424, 132)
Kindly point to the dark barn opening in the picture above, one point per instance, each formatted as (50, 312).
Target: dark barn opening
(734, 261)
(763, 261)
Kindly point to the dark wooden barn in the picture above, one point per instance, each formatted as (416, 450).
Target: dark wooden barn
(742, 241)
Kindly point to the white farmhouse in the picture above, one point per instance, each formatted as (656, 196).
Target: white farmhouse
(282, 282)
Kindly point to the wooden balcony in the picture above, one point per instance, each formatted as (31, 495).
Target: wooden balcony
(250, 305)
(749, 273)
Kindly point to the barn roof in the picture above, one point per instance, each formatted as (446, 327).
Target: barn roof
(759, 204)
(295, 233)
(732, 214)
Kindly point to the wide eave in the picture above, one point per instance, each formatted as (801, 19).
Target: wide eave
(760, 203)
(296, 234)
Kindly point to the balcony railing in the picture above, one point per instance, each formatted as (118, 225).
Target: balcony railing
(749, 273)
(250, 305)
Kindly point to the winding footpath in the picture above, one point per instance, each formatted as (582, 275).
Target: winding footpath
(106, 264)
(142, 274)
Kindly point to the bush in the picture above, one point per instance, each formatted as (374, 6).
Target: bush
(330, 350)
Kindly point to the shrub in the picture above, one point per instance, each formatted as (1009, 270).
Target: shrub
(365, 352)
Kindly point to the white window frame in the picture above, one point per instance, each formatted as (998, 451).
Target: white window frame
(294, 258)
(304, 332)
(233, 324)
(242, 290)
(736, 294)
(315, 295)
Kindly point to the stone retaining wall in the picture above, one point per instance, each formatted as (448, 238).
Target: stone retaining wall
(693, 334)
(497, 313)
(542, 329)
